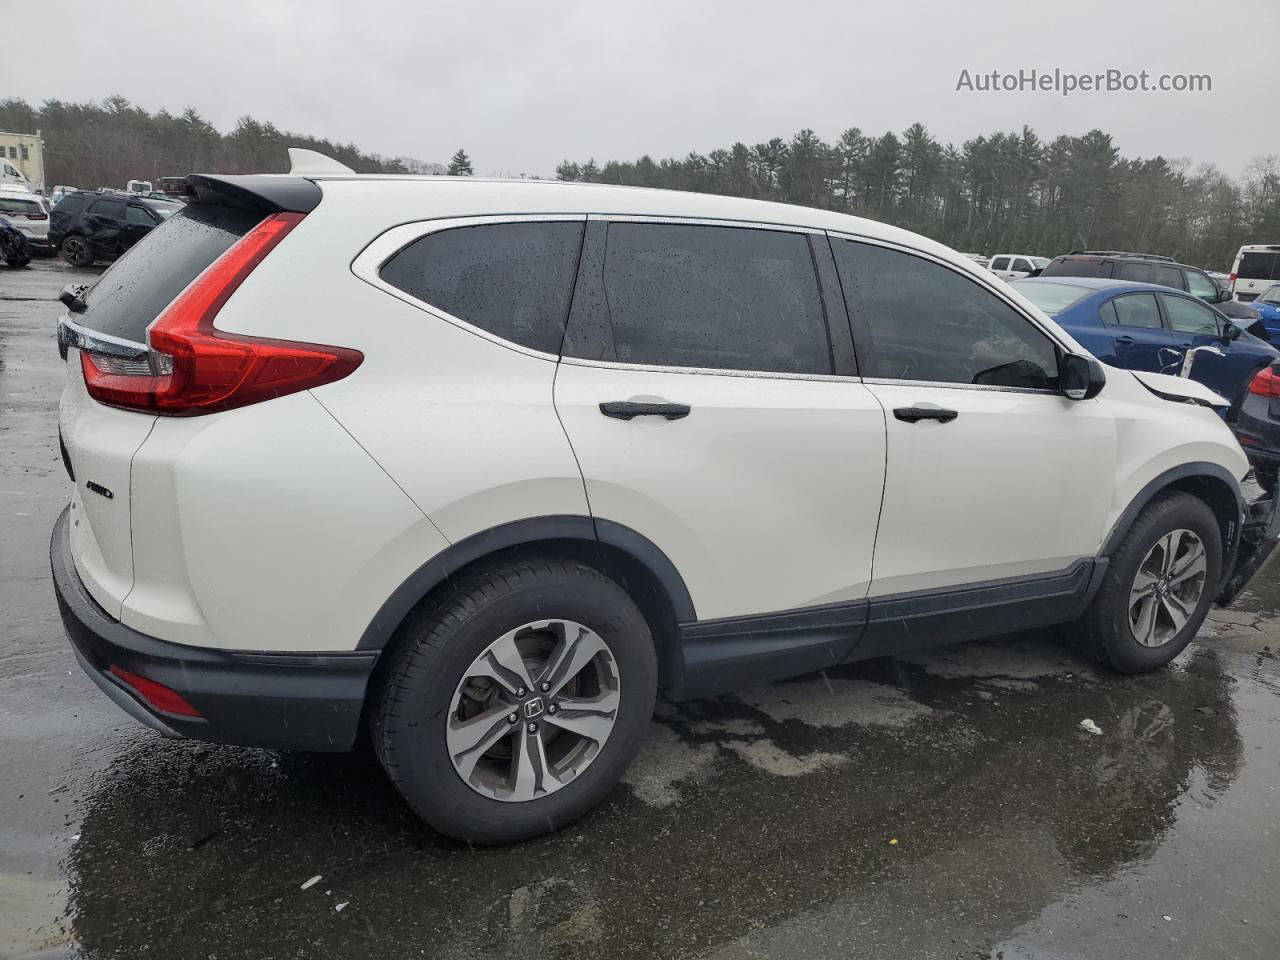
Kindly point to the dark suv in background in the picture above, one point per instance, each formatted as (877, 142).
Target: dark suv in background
(1139, 267)
(86, 227)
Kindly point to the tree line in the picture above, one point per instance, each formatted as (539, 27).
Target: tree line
(111, 142)
(1002, 192)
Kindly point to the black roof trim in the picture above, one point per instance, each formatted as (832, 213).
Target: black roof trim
(266, 194)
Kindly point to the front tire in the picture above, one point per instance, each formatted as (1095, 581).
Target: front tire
(1157, 590)
(555, 645)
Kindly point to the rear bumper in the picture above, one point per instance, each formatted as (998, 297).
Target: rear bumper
(299, 701)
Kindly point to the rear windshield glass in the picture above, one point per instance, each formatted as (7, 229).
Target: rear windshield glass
(1073, 267)
(145, 280)
(1259, 266)
(10, 205)
(1051, 297)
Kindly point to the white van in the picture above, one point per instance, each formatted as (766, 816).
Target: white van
(11, 174)
(1256, 268)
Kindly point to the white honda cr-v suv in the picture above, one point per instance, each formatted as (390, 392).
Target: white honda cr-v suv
(476, 469)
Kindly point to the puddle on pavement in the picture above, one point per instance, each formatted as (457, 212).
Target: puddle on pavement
(742, 814)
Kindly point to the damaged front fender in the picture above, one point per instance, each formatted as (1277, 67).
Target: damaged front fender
(1259, 533)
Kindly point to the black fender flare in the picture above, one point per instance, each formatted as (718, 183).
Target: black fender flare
(520, 533)
(1199, 469)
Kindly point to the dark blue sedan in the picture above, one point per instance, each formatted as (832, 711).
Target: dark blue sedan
(1142, 326)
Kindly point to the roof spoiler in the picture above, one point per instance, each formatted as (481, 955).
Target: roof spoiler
(258, 192)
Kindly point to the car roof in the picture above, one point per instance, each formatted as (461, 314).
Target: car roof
(1131, 258)
(1105, 283)
(473, 196)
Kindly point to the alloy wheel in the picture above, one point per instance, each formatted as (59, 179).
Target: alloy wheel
(533, 710)
(1167, 588)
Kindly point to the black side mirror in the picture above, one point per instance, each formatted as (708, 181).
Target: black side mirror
(1230, 332)
(1080, 377)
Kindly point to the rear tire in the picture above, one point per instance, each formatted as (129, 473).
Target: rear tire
(449, 671)
(77, 252)
(1158, 587)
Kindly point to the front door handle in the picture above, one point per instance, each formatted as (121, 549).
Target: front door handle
(914, 414)
(629, 410)
(1125, 340)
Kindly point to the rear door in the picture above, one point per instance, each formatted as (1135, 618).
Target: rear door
(992, 472)
(1000, 267)
(714, 410)
(100, 440)
(1140, 338)
(105, 225)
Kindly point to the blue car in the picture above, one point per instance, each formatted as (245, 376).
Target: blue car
(1143, 326)
(1268, 307)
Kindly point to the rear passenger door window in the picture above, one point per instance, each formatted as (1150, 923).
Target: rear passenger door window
(1137, 272)
(109, 209)
(1132, 310)
(511, 280)
(919, 320)
(720, 298)
(1169, 277)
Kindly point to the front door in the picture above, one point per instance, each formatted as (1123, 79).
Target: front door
(700, 391)
(992, 473)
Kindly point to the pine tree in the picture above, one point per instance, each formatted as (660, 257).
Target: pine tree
(460, 165)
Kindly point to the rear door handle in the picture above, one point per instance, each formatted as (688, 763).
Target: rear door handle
(913, 414)
(629, 410)
(1125, 340)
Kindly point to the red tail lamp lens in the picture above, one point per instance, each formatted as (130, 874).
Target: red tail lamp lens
(195, 369)
(156, 694)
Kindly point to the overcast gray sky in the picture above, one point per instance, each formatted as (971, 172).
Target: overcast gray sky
(522, 85)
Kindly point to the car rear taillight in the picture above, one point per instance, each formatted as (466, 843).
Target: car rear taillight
(194, 369)
(1266, 383)
(1231, 279)
(156, 694)
(37, 216)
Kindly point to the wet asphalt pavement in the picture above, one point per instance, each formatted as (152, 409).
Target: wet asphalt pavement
(755, 826)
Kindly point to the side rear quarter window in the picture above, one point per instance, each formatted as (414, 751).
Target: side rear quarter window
(513, 280)
(722, 298)
(918, 320)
